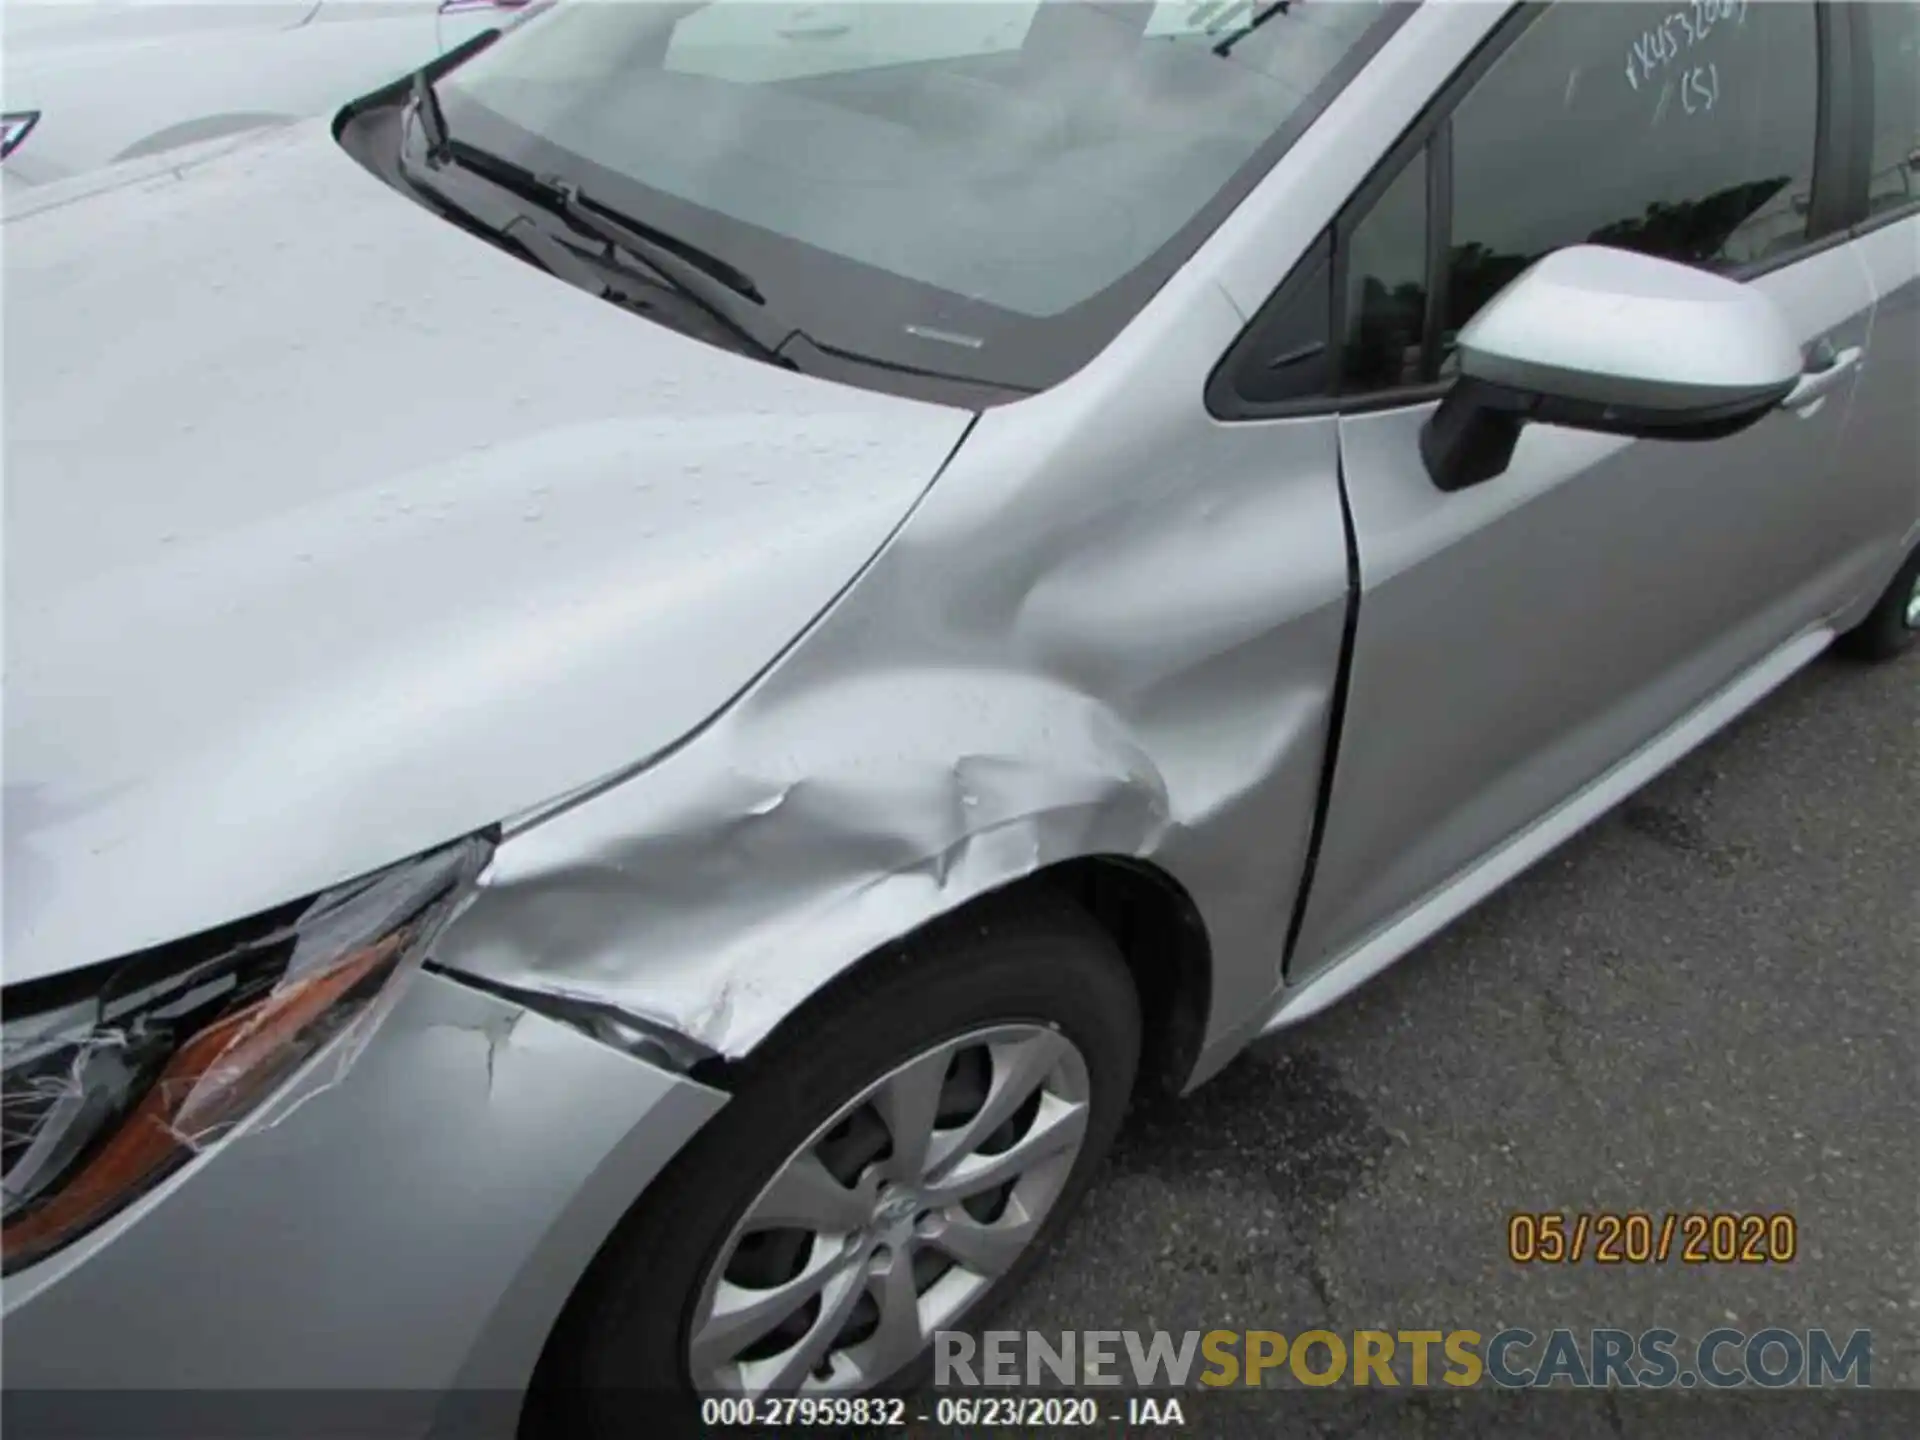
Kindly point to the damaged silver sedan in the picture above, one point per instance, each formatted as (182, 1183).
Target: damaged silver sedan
(646, 677)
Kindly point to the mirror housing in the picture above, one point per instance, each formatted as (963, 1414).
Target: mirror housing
(1611, 341)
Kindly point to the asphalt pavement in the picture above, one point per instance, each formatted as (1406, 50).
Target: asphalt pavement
(1706, 1002)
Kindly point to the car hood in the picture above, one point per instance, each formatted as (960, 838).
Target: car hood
(332, 533)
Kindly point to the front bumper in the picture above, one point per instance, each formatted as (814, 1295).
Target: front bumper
(412, 1230)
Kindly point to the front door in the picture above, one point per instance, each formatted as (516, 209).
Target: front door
(1517, 639)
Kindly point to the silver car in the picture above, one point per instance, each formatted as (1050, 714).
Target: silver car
(88, 82)
(646, 677)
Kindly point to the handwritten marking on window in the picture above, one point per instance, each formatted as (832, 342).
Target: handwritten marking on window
(1700, 88)
(1678, 33)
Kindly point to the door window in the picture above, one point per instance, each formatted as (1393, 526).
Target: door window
(1386, 286)
(1685, 132)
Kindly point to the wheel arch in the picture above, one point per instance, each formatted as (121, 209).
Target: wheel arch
(1162, 936)
(1146, 912)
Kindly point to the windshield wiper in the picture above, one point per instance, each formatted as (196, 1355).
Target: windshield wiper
(433, 120)
(645, 240)
(693, 273)
(696, 275)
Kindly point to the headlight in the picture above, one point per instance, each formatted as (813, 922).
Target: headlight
(113, 1077)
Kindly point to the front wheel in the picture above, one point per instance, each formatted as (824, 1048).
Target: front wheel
(891, 1163)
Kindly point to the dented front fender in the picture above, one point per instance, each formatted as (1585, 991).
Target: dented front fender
(1111, 628)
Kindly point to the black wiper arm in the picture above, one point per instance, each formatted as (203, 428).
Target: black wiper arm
(433, 120)
(689, 272)
(647, 242)
(502, 221)
(693, 273)
(681, 267)
(1225, 47)
(563, 195)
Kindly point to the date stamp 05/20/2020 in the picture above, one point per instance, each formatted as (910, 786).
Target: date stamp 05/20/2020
(1640, 1237)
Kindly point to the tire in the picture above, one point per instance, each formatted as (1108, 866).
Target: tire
(619, 1361)
(1891, 626)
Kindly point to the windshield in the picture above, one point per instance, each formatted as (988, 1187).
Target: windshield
(969, 187)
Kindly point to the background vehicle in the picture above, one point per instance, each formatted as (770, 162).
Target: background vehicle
(830, 621)
(109, 80)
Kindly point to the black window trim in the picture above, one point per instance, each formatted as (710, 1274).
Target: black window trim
(1439, 236)
(1836, 206)
(1861, 74)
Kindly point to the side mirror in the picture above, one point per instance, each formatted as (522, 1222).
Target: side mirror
(1613, 341)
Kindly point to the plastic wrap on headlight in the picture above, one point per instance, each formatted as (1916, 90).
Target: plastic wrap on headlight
(115, 1076)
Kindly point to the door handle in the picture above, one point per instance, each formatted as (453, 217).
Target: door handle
(1814, 384)
(814, 32)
